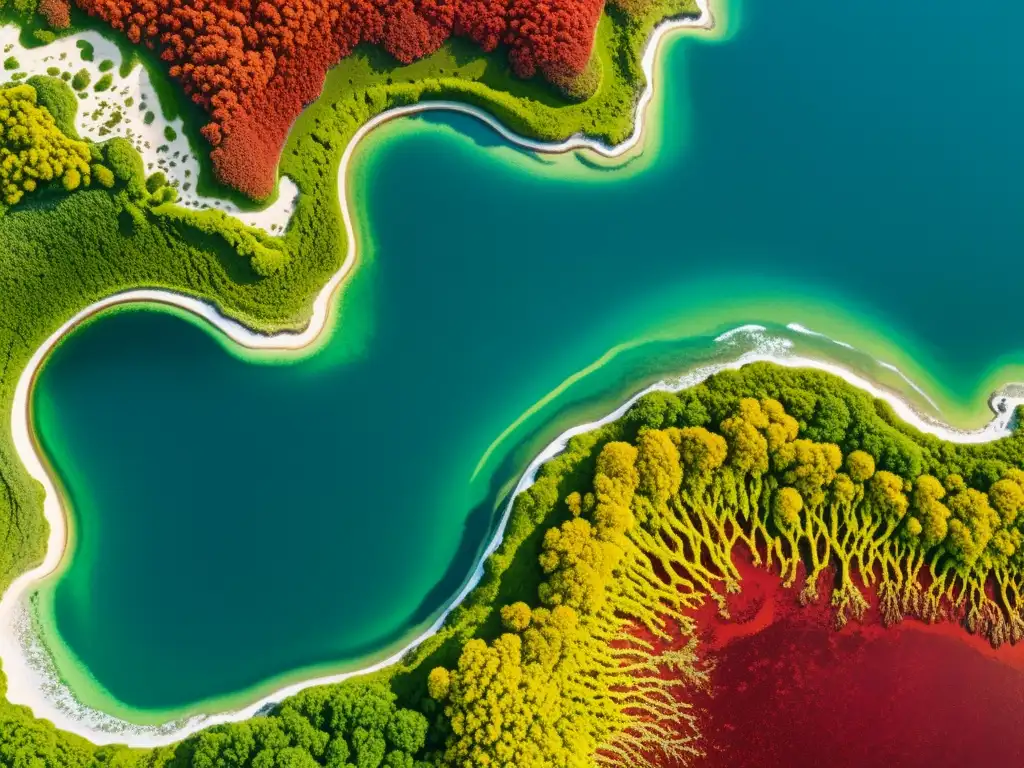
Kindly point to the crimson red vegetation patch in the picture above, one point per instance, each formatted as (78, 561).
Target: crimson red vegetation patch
(254, 64)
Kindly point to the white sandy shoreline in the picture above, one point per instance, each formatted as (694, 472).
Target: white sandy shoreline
(30, 685)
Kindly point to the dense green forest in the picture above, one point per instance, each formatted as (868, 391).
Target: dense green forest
(578, 647)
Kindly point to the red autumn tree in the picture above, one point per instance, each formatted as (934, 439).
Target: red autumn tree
(254, 64)
(553, 37)
(56, 12)
(482, 21)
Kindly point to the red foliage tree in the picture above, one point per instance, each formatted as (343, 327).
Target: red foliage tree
(482, 21)
(56, 12)
(254, 64)
(551, 36)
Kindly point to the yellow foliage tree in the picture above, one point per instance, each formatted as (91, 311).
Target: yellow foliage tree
(860, 465)
(33, 151)
(786, 508)
(596, 676)
(658, 467)
(515, 617)
(701, 452)
(579, 566)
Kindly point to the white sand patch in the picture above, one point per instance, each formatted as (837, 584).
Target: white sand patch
(129, 108)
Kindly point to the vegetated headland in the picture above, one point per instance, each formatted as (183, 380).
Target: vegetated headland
(626, 541)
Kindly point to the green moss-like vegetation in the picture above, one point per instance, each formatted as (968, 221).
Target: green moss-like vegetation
(106, 65)
(584, 85)
(169, 133)
(11, 63)
(155, 180)
(53, 93)
(104, 83)
(103, 176)
(81, 80)
(22, 10)
(88, 52)
(126, 164)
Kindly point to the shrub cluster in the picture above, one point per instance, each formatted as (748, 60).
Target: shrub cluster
(81, 80)
(33, 151)
(254, 65)
(53, 94)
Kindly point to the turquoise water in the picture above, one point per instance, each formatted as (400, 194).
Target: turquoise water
(852, 167)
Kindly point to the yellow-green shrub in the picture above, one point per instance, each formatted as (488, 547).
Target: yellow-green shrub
(33, 151)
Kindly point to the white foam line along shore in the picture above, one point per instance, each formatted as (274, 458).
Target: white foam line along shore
(31, 680)
(797, 328)
(807, 331)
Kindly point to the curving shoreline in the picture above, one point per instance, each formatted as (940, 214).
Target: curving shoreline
(34, 689)
(29, 685)
(302, 340)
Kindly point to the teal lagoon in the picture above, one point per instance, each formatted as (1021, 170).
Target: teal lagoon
(242, 523)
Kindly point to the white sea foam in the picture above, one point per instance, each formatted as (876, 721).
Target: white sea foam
(910, 382)
(796, 327)
(741, 330)
(31, 678)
